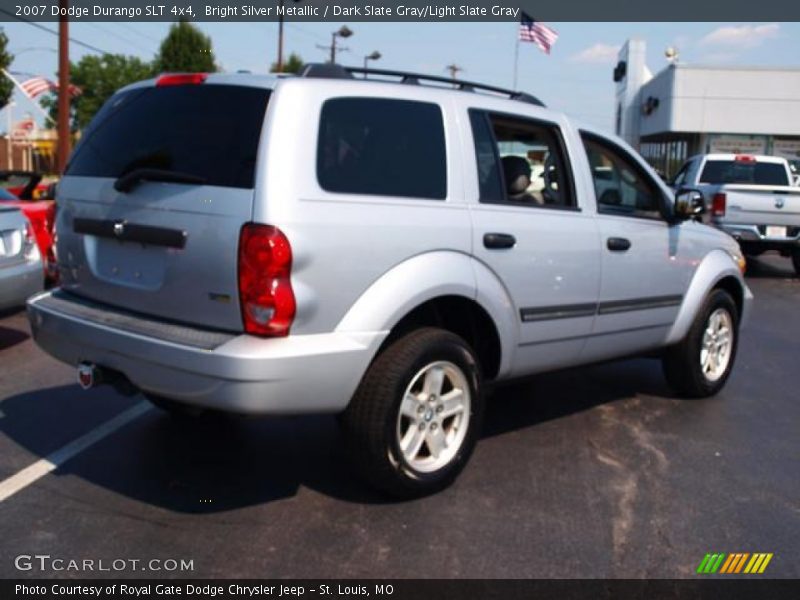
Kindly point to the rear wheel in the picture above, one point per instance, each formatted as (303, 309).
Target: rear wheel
(699, 365)
(415, 418)
(796, 261)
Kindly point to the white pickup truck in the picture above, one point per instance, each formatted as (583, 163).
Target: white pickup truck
(753, 198)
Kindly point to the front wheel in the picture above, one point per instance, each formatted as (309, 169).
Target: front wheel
(415, 418)
(699, 365)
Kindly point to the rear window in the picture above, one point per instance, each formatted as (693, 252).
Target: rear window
(382, 147)
(210, 131)
(753, 173)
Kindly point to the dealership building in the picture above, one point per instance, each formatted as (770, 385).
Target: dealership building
(691, 109)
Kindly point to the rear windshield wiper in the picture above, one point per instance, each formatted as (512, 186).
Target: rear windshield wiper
(129, 180)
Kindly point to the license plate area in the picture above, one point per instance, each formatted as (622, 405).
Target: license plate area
(775, 231)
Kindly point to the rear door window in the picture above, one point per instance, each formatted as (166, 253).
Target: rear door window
(521, 161)
(209, 131)
(382, 147)
(745, 172)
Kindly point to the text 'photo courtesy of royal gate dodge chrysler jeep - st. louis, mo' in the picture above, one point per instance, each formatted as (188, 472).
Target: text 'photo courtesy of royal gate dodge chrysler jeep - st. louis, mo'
(381, 248)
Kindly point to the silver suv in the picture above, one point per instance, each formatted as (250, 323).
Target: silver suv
(379, 248)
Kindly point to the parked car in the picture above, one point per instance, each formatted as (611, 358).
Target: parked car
(793, 166)
(753, 198)
(20, 261)
(327, 244)
(24, 190)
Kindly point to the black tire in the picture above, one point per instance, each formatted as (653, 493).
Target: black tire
(796, 261)
(682, 362)
(372, 425)
(175, 409)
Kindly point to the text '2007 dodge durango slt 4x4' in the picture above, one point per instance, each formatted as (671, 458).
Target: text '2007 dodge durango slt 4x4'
(378, 248)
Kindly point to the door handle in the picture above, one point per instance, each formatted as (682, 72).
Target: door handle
(498, 241)
(616, 244)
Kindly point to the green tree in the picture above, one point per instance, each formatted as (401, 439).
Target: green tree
(98, 77)
(294, 64)
(6, 86)
(186, 49)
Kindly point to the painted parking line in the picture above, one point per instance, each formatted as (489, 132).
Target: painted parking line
(28, 475)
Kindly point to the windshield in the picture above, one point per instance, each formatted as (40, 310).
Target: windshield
(753, 173)
(210, 131)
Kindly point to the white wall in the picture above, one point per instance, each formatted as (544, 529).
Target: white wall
(724, 100)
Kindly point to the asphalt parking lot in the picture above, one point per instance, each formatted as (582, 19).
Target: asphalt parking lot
(594, 472)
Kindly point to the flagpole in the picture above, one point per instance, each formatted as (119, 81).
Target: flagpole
(28, 96)
(516, 63)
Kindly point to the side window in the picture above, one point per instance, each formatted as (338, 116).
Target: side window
(382, 147)
(520, 161)
(621, 186)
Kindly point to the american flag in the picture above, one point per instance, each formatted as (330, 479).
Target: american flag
(537, 32)
(36, 86)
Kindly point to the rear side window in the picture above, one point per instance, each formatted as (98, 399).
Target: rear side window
(382, 147)
(209, 131)
(520, 161)
(747, 172)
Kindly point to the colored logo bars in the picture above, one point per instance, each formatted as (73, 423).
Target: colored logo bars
(741, 562)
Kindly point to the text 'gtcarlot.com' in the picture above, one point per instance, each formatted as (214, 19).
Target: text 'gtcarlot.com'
(45, 562)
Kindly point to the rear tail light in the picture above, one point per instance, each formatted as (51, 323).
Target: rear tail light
(181, 79)
(718, 205)
(29, 247)
(265, 288)
(745, 158)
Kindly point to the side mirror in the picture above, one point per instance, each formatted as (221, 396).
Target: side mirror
(689, 204)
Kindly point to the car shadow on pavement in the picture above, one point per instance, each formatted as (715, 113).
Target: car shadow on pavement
(534, 400)
(217, 463)
(11, 337)
(770, 267)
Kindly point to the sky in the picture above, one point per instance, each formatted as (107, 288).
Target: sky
(575, 78)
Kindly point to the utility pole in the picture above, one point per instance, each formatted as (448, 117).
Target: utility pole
(280, 39)
(343, 32)
(63, 87)
(454, 68)
(8, 136)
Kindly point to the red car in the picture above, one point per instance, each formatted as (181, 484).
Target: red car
(24, 190)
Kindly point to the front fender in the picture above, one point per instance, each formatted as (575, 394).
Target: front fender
(425, 277)
(716, 266)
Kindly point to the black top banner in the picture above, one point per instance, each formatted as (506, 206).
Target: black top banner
(400, 10)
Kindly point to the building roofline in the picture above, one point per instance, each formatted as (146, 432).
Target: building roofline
(708, 67)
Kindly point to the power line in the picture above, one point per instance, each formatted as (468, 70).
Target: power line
(117, 35)
(55, 33)
(137, 32)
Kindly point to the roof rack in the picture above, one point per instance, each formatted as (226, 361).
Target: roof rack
(332, 71)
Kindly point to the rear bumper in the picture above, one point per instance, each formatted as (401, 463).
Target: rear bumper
(245, 374)
(754, 235)
(19, 282)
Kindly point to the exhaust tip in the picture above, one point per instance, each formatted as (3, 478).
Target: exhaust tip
(88, 375)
